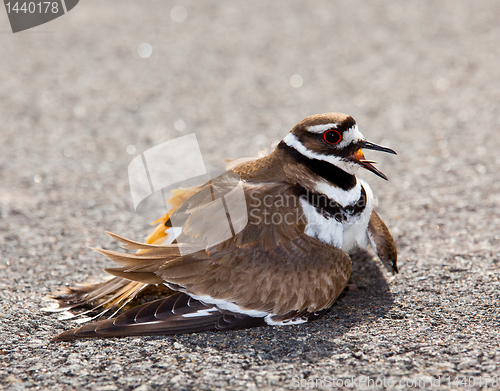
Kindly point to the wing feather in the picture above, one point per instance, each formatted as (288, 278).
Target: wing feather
(176, 314)
(278, 258)
(382, 242)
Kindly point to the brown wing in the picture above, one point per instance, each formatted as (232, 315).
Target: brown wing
(301, 275)
(270, 265)
(382, 242)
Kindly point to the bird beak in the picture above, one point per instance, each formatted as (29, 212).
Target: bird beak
(369, 145)
(360, 158)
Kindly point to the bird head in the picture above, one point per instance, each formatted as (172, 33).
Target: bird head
(335, 138)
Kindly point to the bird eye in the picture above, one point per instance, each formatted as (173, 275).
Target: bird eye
(332, 136)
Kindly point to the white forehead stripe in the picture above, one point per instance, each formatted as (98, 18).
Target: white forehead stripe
(350, 136)
(321, 128)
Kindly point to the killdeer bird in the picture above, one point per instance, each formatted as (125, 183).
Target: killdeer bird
(306, 210)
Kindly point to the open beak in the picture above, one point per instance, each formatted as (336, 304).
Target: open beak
(359, 158)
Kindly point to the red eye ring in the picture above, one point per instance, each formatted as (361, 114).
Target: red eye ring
(332, 137)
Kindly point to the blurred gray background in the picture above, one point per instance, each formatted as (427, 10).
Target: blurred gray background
(82, 95)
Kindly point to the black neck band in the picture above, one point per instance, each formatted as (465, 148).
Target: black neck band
(329, 208)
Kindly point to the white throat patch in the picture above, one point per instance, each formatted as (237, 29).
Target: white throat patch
(343, 197)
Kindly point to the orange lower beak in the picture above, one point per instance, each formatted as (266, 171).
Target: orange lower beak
(359, 158)
(358, 155)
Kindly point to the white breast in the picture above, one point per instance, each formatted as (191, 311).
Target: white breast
(326, 230)
(355, 233)
(346, 235)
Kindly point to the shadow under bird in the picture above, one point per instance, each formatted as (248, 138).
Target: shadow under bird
(277, 272)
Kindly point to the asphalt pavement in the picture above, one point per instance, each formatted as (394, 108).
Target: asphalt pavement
(84, 94)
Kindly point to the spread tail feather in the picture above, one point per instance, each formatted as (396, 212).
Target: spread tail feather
(112, 295)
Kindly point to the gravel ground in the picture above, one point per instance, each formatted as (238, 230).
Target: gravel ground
(421, 77)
